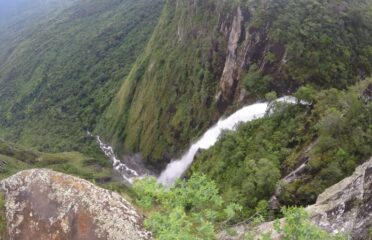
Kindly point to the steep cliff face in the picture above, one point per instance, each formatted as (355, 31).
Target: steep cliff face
(208, 56)
(46, 205)
(155, 111)
(190, 73)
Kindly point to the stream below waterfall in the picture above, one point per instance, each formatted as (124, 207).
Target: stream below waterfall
(176, 168)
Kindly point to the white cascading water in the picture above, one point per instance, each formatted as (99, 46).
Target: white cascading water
(176, 168)
(127, 173)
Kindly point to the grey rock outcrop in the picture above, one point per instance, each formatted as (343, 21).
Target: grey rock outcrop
(345, 207)
(42, 204)
(246, 45)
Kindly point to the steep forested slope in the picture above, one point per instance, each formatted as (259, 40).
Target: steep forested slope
(205, 56)
(63, 71)
(331, 136)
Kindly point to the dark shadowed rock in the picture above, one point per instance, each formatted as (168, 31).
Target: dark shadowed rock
(46, 205)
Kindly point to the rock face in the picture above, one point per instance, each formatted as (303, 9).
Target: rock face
(229, 78)
(46, 205)
(347, 206)
(246, 46)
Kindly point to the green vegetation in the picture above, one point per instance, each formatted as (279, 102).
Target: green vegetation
(60, 73)
(14, 159)
(334, 134)
(296, 226)
(63, 68)
(145, 76)
(327, 43)
(255, 81)
(193, 209)
(169, 97)
(169, 94)
(188, 210)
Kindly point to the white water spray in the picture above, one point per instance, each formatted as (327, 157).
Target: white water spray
(176, 168)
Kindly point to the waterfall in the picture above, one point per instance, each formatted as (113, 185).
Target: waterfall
(127, 173)
(176, 168)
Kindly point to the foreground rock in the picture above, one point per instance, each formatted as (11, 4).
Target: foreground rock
(346, 207)
(46, 205)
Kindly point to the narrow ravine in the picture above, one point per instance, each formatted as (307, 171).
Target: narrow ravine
(178, 167)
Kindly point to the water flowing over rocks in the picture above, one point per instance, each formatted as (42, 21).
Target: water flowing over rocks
(46, 205)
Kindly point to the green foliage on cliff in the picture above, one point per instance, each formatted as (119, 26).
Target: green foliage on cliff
(297, 226)
(170, 96)
(193, 209)
(60, 73)
(62, 68)
(333, 133)
(188, 210)
(327, 43)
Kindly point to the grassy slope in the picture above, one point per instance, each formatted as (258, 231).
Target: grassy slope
(14, 158)
(58, 80)
(168, 98)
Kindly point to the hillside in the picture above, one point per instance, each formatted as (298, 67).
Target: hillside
(14, 158)
(264, 106)
(206, 57)
(64, 70)
(20, 18)
(326, 140)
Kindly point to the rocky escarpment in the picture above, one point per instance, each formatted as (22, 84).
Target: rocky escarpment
(346, 207)
(46, 205)
(247, 45)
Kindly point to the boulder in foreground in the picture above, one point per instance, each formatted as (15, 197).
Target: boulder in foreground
(46, 205)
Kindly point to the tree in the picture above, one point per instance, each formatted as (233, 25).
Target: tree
(187, 210)
(306, 93)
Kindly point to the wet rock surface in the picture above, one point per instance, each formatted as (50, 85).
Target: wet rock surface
(42, 204)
